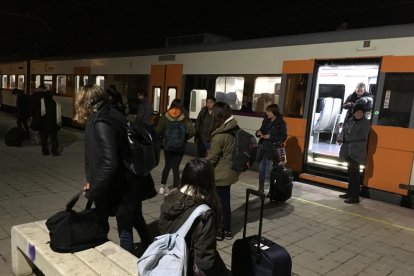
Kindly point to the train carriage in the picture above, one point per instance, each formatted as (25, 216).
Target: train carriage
(309, 76)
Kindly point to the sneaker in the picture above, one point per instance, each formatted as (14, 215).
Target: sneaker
(220, 236)
(162, 190)
(351, 200)
(228, 235)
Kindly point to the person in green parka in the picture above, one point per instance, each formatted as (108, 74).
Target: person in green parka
(220, 155)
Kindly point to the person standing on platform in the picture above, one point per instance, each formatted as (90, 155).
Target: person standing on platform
(106, 146)
(145, 110)
(273, 130)
(175, 128)
(203, 127)
(23, 111)
(353, 140)
(221, 156)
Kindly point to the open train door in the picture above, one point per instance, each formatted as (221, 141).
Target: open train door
(333, 82)
(165, 85)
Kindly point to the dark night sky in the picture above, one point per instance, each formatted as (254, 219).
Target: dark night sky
(31, 29)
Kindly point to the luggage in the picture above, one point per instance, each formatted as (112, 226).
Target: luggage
(281, 184)
(269, 258)
(14, 137)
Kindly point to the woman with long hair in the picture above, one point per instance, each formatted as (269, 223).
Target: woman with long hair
(272, 131)
(221, 155)
(196, 188)
(175, 128)
(109, 184)
(105, 143)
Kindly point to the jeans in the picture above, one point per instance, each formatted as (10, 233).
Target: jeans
(126, 222)
(172, 160)
(265, 168)
(224, 196)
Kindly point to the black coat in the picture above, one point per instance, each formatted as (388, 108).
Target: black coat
(105, 148)
(48, 122)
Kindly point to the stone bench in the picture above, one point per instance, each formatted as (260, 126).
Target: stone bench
(30, 248)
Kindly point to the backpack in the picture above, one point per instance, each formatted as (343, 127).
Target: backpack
(144, 148)
(175, 136)
(244, 150)
(168, 254)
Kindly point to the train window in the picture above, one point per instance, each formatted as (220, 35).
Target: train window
(4, 81)
(397, 100)
(156, 97)
(230, 90)
(12, 81)
(61, 85)
(172, 94)
(197, 101)
(20, 82)
(100, 80)
(85, 81)
(38, 81)
(48, 81)
(295, 95)
(266, 91)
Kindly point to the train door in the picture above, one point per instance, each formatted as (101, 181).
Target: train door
(333, 83)
(165, 86)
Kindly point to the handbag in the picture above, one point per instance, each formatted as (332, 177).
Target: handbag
(279, 157)
(72, 231)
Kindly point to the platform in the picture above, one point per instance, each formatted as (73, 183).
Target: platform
(324, 235)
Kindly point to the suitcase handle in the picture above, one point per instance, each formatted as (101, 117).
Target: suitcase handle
(262, 200)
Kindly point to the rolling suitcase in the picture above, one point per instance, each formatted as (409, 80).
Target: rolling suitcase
(281, 184)
(268, 259)
(14, 137)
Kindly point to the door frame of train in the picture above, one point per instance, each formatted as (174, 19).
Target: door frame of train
(334, 177)
(165, 76)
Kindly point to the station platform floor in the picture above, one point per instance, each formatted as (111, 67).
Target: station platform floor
(324, 235)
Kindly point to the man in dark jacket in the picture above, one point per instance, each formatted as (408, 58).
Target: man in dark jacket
(44, 111)
(203, 127)
(359, 96)
(144, 112)
(23, 111)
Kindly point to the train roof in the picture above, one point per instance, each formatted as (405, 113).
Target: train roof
(383, 32)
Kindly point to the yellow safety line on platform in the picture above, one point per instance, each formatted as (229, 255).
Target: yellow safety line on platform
(347, 212)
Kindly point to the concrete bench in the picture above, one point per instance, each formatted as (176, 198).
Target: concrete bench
(30, 247)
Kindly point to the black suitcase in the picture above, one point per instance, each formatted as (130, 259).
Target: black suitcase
(248, 259)
(14, 137)
(281, 184)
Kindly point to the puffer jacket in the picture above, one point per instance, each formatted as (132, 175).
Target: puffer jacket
(355, 138)
(105, 147)
(221, 153)
(175, 210)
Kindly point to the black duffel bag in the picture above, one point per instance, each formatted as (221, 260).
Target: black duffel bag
(72, 231)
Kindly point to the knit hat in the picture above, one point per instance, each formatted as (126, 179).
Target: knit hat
(358, 107)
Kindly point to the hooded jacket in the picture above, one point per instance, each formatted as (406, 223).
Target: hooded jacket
(177, 207)
(221, 153)
(174, 114)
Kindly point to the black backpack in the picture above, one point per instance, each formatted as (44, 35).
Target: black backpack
(244, 150)
(144, 148)
(175, 136)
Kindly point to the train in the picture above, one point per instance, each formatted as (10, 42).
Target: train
(308, 75)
